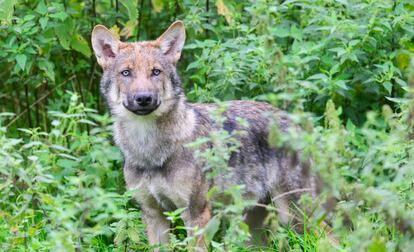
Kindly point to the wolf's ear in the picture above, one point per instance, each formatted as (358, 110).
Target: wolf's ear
(104, 44)
(172, 40)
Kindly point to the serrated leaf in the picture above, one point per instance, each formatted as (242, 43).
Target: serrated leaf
(281, 31)
(397, 100)
(41, 8)
(128, 29)
(66, 163)
(388, 86)
(59, 148)
(131, 7)
(115, 31)
(134, 235)
(43, 22)
(400, 82)
(21, 60)
(48, 68)
(86, 121)
(195, 64)
(32, 144)
(120, 236)
(319, 76)
(341, 84)
(67, 156)
(64, 33)
(6, 9)
(60, 15)
(113, 154)
(79, 44)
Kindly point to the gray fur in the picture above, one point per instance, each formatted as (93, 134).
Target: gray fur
(165, 172)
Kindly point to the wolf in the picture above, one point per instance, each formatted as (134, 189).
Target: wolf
(153, 123)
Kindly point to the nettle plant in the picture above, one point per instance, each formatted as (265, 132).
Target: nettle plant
(60, 190)
(308, 52)
(368, 171)
(215, 150)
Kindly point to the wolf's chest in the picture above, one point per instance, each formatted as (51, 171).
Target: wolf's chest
(142, 144)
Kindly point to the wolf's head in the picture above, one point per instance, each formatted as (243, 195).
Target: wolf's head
(139, 78)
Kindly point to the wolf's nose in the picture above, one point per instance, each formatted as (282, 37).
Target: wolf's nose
(143, 99)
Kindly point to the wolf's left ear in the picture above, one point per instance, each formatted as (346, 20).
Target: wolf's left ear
(172, 40)
(105, 45)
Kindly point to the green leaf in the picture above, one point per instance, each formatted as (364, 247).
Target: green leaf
(295, 32)
(120, 236)
(131, 6)
(6, 9)
(157, 5)
(377, 246)
(134, 235)
(281, 31)
(21, 60)
(43, 22)
(47, 67)
(400, 82)
(60, 16)
(64, 33)
(41, 8)
(128, 29)
(341, 84)
(66, 163)
(79, 44)
(403, 60)
(211, 229)
(388, 86)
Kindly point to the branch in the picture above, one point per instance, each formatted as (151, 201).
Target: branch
(38, 101)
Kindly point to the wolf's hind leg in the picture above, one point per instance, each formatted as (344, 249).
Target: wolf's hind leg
(254, 218)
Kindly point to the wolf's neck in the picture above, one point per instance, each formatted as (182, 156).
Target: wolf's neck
(179, 123)
(149, 141)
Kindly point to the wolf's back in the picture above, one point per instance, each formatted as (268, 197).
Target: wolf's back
(257, 165)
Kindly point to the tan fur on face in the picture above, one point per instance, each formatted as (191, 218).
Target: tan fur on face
(140, 59)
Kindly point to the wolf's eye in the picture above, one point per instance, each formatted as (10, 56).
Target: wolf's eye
(126, 73)
(156, 72)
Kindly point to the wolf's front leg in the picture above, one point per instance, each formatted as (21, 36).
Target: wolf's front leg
(157, 226)
(194, 217)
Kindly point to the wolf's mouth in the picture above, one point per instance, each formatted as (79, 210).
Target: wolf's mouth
(142, 111)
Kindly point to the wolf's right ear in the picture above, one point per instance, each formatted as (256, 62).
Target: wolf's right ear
(171, 42)
(105, 45)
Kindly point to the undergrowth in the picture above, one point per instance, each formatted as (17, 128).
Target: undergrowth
(344, 71)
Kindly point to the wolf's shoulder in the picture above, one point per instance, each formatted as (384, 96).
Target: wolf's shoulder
(251, 110)
(257, 114)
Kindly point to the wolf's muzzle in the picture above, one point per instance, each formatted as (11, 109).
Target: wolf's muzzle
(142, 103)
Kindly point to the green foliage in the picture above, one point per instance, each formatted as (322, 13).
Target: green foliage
(61, 189)
(216, 168)
(343, 69)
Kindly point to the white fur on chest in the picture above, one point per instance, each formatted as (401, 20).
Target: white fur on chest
(141, 142)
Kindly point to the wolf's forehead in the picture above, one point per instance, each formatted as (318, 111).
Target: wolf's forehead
(139, 54)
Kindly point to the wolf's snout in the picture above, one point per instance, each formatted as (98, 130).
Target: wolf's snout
(144, 99)
(142, 103)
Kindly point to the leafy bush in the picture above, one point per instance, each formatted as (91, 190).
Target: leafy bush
(343, 69)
